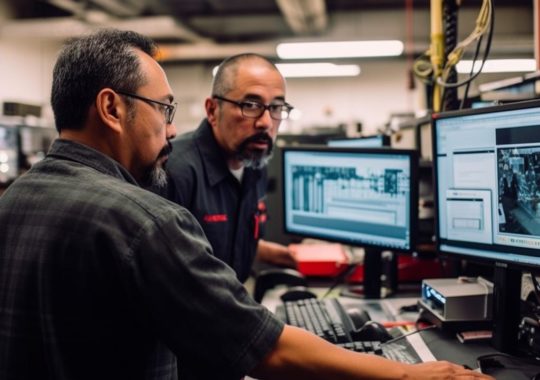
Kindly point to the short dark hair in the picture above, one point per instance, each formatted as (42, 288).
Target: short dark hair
(226, 73)
(88, 64)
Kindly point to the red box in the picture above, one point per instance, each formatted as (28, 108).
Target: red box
(325, 260)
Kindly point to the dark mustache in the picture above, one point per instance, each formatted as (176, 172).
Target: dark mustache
(259, 137)
(167, 149)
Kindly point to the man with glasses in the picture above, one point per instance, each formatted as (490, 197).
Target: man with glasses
(218, 171)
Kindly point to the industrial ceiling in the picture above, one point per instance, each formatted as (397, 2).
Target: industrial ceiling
(212, 29)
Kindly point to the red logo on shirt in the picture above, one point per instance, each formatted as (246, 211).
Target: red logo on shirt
(259, 217)
(261, 211)
(215, 218)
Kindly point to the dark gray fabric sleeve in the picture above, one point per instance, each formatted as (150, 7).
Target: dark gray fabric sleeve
(194, 300)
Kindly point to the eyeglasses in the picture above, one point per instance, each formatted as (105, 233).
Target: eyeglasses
(170, 109)
(253, 109)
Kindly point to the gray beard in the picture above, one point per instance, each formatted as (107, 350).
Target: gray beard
(155, 178)
(158, 177)
(258, 162)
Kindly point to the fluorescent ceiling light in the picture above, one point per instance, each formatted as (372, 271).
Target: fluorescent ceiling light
(498, 66)
(339, 49)
(306, 70)
(299, 70)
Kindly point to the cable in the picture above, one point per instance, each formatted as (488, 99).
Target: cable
(340, 278)
(468, 84)
(407, 334)
(455, 56)
(486, 52)
(425, 70)
(482, 25)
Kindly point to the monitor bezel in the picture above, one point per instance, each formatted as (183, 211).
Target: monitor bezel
(449, 253)
(413, 217)
(385, 139)
(17, 148)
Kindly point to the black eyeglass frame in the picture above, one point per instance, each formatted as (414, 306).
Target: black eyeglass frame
(170, 109)
(285, 107)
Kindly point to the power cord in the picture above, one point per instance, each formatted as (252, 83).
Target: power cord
(423, 67)
(456, 55)
(340, 278)
(483, 23)
(417, 331)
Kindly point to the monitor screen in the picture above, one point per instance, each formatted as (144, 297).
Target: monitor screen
(376, 141)
(9, 153)
(487, 179)
(364, 197)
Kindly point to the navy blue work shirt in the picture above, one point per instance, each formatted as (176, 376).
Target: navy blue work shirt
(232, 214)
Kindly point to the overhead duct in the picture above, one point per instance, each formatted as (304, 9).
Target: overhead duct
(156, 27)
(304, 16)
(122, 8)
(113, 8)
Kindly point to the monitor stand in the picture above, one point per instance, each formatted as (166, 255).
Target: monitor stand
(372, 287)
(506, 311)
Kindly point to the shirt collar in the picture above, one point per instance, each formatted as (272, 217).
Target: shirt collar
(73, 151)
(212, 157)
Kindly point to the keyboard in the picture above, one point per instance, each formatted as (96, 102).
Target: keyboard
(328, 319)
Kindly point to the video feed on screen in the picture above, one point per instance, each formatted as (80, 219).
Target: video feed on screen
(488, 182)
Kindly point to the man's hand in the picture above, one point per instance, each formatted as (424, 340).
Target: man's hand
(276, 254)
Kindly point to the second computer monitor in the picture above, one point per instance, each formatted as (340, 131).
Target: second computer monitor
(364, 197)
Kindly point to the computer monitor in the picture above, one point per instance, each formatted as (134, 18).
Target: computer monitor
(9, 154)
(363, 197)
(375, 141)
(487, 194)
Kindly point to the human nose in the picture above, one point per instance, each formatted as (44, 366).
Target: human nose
(171, 131)
(265, 120)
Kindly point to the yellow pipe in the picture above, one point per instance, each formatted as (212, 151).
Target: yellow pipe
(437, 50)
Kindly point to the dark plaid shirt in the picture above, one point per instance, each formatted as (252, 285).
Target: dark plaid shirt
(100, 279)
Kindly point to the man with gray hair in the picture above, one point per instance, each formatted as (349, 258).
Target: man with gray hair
(218, 172)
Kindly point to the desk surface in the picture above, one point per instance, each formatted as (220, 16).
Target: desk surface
(443, 345)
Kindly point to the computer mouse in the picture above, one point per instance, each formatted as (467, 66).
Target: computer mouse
(372, 331)
(297, 293)
(359, 317)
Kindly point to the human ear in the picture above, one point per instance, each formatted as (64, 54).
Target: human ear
(111, 109)
(210, 106)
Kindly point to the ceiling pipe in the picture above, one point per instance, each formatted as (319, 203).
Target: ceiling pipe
(156, 27)
(304, 16)
(124, 8)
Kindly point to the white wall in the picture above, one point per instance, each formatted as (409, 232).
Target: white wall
(26, 71)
